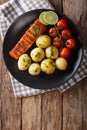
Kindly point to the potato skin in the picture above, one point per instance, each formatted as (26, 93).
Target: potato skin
(43, 41)
(48, 66)
(51, 52)
(61, 63)
(34, 69)
(24, 62)
(37, 54)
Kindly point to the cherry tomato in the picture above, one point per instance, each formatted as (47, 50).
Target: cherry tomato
(57, 42)
(66, 34)
(65, 52)
(62, 24)
(71, 43)
(53, 32)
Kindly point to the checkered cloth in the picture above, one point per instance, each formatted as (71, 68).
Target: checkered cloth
(8, 13)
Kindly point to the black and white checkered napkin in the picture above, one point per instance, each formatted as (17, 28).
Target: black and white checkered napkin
(8, 13)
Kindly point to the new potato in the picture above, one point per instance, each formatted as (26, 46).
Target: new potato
(37, 54)
(48, 66)
(51, 52)
(34, 69)
(43, 41)
(61, 63)
(24, 62)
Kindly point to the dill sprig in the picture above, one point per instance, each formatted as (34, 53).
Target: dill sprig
(37, 30)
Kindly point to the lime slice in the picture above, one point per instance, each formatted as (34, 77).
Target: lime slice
(41, 18)
(50, 17)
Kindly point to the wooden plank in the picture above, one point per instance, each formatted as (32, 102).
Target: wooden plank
(3, 1)
(31, 113)
(73, 100)
(52, 111)
(73, 9)
(0, 83)
(84, 104)
(83, 29)
(72, 109)
(10, 107)
(0, 108)
(83, 23)
(57, 4)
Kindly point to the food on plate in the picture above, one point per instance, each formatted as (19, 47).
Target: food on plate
(66, 34)
(24, 62)
(57, 42)
(48, 17)
(61, 63)
(43, 41)
(65, 52)
(37, 54)
(62, 24)
(53, 32)
(52, 52)
(48, 66)
(26, 41)
(34, 69)
(71, 43)
(41, 18)
(53, 45)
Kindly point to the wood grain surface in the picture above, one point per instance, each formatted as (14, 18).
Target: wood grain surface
(51, 110)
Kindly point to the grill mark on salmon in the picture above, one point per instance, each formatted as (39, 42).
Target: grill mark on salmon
(27, 39)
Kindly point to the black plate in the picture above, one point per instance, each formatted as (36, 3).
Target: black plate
(42, 81)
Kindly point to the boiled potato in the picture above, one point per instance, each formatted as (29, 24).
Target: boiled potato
(37, 54)
(43, 41)
(24, 62)
(34, 69)
(51, 52)
(48, 66)
(61, 63)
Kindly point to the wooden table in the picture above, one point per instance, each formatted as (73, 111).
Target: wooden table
(51, 110)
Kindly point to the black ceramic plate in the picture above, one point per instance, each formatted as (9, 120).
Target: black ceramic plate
(41, 81)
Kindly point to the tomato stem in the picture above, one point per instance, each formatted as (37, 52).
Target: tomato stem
(59, 35)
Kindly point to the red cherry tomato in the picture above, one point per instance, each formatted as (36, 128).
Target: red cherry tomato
(62, 24)
(66, 34)
(53, 32)
(71, 43)
(57, 42)
(65, 52)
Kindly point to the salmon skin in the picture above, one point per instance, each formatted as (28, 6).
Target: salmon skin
(28, 38)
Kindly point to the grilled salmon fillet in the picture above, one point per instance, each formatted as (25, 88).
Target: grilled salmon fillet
(26, 41)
